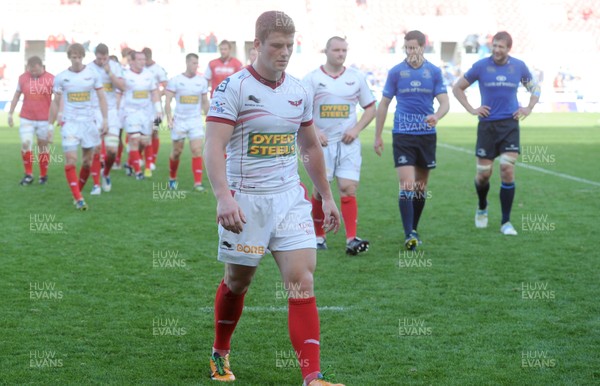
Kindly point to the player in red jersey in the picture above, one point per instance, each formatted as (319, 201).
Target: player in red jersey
(36, 86)
(75, 86)
(262, 116)
(220, 68)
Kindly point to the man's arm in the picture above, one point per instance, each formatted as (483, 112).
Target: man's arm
(534, 88)
(459, 93)
(314, 163)
(229, 214)
(168, 98)
(380, 117)
(103, 109)
(433, 119)
(205, 104)
(13, 106)
(363, 122)
(54, 109)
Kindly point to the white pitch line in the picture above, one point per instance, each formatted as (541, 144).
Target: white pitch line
(528, 166)
(279, 309)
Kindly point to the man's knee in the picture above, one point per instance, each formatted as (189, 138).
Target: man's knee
(483, 172)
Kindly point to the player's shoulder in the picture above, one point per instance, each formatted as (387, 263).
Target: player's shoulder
(234, 81)
(432, 67)
(516, 61)
(402, 66)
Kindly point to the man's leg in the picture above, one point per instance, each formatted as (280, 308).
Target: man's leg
(26, 132)
(318, 218)
(43, 159)
(406, 177)
(297, 268)
(421, 179)
(507, 189)
(349, 209)
(174, 162)
(482, 186)
(95, 170)
(196, 148)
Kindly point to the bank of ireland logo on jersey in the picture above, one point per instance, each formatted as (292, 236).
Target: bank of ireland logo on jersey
(415, 83)
(270, 145)
(501, 78)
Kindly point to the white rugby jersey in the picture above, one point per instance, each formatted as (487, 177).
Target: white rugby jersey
(188, 95)
(261, 154)
(77, 89)
(138, 90)
(335, 99)
(109, 89)
(160, 75)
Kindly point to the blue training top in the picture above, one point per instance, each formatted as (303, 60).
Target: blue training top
(498, 85)
(414, 89)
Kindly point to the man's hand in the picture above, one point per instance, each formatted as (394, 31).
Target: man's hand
(431, 120)
(104, 128)
(50, 133)
(170, 122)
(11, 122)
(322, 137)
(230, 216)
(350, 135)
(522, 113)
(481, 111)
(378, 145)
(331, 220)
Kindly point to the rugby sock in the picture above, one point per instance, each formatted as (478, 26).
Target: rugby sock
(103, 151)
(119, 152)
(155, 146)
(134, 160)
(507, 195)
(350, 215)
(482, 191)
(84, 173)
(71, 173)
(318, 216)
(149, 152)
(418, 206)
(405, 201)
(108, 163)
(197, 169)
(303, 325)
(228, 309)
(96, 166)
(43, 159)
(173, 166)
(27, 162)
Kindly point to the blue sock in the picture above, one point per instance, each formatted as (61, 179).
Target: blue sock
(507, 195)
(482, 192)
(405, 202)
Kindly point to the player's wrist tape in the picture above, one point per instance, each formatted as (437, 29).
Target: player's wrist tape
(158, 107)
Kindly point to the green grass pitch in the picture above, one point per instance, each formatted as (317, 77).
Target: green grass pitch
(122, 294)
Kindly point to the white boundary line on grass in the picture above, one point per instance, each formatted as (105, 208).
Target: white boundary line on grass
(279, 309)
(527, 166)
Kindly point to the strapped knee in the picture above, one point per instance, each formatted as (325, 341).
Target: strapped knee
(484, 169)
(506, 159)
(111, 141)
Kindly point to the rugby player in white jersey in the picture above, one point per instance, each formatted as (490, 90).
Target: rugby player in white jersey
(140, 95)
(190, 93)
(263, 118)
(336, 91)
(111, 76)
(75, 87)
(161, 80)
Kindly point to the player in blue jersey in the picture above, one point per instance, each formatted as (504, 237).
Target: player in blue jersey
(415, 83)
(499, 77)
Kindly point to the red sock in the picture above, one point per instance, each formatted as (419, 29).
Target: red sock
(350, 215)
(102, 151)
(119, 152)
(228, 309)
(173, 166)
(27, 162)
(197, 169)
(71, 173)
(303, 324)
(134, 160)
(96, 166)
(149, 152)
(155, 146)
(43, 159)
(84, 173)
(108, 163)
(318, 216)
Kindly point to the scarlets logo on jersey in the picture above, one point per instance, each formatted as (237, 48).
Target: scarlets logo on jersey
(296, 103)
(78, 96)
(334, 111)
(350, 83)
(271, 145)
